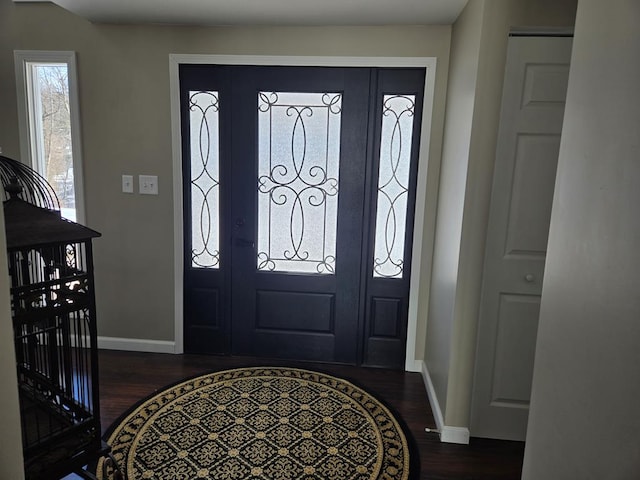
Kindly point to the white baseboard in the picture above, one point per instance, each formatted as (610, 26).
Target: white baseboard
(447, 434)
(454, 435)
(433, 399)
(136, 345)
(413, 366)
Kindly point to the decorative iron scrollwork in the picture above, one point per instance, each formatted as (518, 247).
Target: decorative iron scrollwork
(298, 173)
(205, 191)
(70, 256)
(393, 185)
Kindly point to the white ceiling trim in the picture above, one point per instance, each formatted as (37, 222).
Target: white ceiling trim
(266, 12)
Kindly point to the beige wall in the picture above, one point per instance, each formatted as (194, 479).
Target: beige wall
(584, 420)
(497, 18)
(11, 438)
(547, 13)
(478, 55)
(125, 114)
(461, 95)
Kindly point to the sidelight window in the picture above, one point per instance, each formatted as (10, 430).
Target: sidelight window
(393, 185)
(204, 140)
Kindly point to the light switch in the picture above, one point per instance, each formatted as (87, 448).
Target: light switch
(127, 183)
(148, 184)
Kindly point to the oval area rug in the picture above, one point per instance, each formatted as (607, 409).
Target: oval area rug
(260, 423)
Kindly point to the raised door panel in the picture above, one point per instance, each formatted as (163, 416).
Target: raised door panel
(545, 84)
(515, 350)
(527, 228)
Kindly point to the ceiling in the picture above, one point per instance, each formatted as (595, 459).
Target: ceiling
(267, 12)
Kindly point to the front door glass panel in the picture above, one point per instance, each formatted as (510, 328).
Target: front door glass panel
(298, 162)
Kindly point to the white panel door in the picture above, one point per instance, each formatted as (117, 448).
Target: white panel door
(535, 87)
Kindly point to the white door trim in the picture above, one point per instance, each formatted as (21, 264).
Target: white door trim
(411, 364)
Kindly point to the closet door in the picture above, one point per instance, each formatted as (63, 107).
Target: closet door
(535, 87)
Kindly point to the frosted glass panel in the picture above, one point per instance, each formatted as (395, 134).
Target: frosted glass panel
(298, 161)
(205, 190)
(393, 185)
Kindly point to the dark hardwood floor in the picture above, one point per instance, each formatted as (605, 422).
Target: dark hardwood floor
(127, 377)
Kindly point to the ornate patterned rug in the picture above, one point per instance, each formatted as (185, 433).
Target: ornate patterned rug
(260, 423)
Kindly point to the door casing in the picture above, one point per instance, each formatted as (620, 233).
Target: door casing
(429, 63)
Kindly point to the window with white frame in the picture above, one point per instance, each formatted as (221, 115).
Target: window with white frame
(49, 123)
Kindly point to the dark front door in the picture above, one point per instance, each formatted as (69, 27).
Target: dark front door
(293, 219)
(298, 206)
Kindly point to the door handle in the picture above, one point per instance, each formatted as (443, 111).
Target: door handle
(243, 242)
(529, 277)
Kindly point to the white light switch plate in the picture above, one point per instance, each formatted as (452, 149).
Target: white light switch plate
(148, 184)
(127, 183)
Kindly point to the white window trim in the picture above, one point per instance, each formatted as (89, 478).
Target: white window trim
(411, 363)
(22, 58)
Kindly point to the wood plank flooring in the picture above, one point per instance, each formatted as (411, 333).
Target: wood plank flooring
(127, 377)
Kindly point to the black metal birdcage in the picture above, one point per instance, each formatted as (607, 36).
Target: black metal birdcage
(54, 323)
